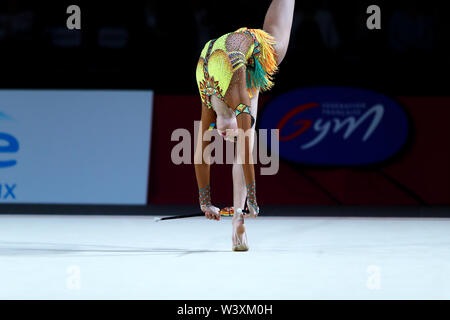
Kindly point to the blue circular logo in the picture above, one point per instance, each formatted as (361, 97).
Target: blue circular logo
(336, 126)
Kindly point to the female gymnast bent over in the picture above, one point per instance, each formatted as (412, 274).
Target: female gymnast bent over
(231, 72)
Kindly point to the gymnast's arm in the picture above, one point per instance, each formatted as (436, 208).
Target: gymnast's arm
(202, 168)
(244, 123)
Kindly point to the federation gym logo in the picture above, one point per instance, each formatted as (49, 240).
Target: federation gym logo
(337, 126)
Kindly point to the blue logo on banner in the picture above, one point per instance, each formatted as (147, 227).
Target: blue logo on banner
(8, 144)
(336, 126)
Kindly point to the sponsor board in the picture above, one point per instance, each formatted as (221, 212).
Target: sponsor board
(74, 147)
(336, 126)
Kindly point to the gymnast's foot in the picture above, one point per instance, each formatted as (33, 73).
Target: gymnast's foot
(239, 236)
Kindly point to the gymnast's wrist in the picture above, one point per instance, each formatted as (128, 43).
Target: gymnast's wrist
(204, 196)
(251, 195)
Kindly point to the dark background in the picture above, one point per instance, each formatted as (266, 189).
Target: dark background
(155, 44)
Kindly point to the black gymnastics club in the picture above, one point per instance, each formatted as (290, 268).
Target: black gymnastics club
(194, 215)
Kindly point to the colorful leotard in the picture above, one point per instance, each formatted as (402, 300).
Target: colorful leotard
(221, 57)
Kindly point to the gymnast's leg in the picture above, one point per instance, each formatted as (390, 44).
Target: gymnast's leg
(239, 237)
(239, 186)
(278, 23)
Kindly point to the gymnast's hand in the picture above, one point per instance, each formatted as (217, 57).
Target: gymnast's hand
(211, 212)
(253, 210)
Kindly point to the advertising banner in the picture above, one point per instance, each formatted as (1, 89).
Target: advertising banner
(337, 146)
(336, 126)
(75, 147)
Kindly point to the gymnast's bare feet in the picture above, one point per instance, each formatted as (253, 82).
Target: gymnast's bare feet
(239, 237)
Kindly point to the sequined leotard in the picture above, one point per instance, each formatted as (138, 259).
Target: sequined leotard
(221, 57)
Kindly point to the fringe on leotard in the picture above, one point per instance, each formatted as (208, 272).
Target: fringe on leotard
(262, 65)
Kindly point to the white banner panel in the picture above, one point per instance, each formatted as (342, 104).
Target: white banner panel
(75, 147)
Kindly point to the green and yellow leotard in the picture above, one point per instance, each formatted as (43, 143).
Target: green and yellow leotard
(217, 64)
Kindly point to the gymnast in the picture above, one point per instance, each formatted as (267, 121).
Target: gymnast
(231, 72)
